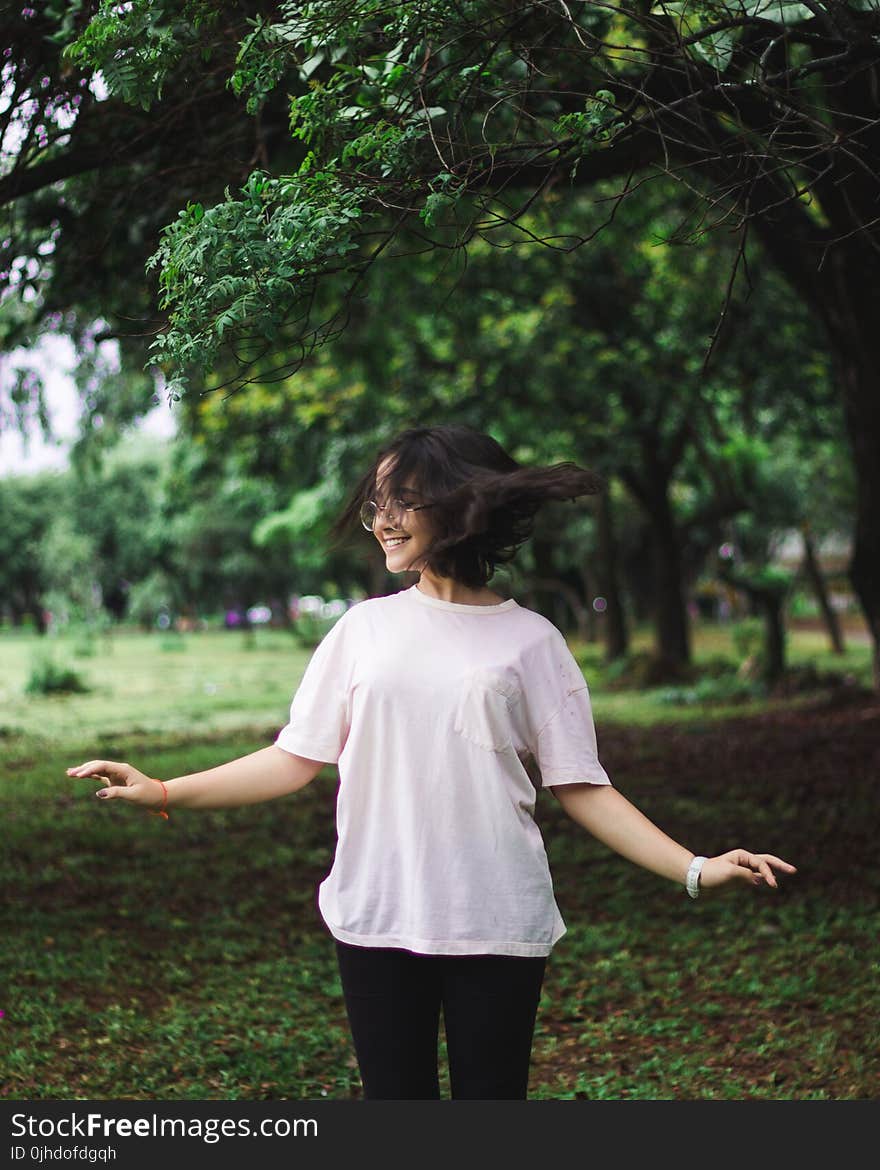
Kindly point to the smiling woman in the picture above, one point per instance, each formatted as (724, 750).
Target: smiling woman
(458, 504)
(439, 705)
(398, 525)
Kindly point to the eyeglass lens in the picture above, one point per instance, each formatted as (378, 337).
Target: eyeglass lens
(394, 509)
(370, 512)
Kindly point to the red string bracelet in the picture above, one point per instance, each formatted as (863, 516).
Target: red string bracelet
(160, 812)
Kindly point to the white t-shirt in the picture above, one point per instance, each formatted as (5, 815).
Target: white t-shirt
(429, 709)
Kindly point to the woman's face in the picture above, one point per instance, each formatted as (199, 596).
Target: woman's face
(404, 535)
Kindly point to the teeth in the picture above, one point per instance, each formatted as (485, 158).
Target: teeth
(396, 541)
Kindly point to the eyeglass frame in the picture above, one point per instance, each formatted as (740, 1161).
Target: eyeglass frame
(403, 506)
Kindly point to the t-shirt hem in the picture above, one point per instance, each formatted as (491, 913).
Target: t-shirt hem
(574, 778)
(435, 946)
(289, 742)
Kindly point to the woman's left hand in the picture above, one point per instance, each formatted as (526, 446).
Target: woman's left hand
(739, 865)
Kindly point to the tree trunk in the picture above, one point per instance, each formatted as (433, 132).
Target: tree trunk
(771, 604)
(671, 623)
(766, 602)
(817, 581)
(613, 617)
(32, 605)
(664, 574)
(635, 565)
(852, 319)
(672, 635)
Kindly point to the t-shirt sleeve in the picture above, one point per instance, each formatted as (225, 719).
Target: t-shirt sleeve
(565, 748)
(564, 744)
(317, 727)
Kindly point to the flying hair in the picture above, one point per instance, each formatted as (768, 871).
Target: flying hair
(483, 503)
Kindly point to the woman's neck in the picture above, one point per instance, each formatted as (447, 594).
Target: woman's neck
(448, 589)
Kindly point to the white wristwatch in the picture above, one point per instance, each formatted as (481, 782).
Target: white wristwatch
(692, 881)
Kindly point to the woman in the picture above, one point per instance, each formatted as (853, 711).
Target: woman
(437, 704)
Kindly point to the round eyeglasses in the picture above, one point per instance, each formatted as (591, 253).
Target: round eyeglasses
(395, 510)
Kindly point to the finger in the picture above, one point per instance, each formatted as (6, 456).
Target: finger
(759, 871)
(766, 862)
(762, 874)
(112, 793)
(740, 857)
(759, 860)
(90, 767)
(94, 776)
(778, 863)
(744, 874)
(116, 771)
(754, 877)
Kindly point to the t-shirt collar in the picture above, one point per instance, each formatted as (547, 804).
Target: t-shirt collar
(457, 607)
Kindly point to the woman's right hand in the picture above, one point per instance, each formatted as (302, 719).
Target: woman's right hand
(122, 782)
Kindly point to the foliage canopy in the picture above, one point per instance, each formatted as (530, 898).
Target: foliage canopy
(427, 124)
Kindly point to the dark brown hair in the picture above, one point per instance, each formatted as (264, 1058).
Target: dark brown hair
(483, 503)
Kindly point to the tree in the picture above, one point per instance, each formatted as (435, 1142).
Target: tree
(458, 116)
(88, 181)
(28, 506)
(69, 564)
(205, 536)
(445, 121)
(610, 377)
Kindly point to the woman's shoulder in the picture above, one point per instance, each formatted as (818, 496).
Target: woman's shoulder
(368, 609)
(547, 660)
(538, 625)
(377, 604)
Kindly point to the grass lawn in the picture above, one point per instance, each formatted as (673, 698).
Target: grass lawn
(187, 960)
(146, 685)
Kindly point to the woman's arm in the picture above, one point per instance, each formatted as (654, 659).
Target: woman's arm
(263, 775)
(613, 820)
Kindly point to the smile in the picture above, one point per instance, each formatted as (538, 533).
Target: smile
(395, 541)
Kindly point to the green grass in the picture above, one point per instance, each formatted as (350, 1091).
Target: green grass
(187, 960)
(211, 682)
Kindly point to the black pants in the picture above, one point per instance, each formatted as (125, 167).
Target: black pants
(489, 1002)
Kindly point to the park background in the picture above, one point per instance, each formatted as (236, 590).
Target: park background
(695, 321)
